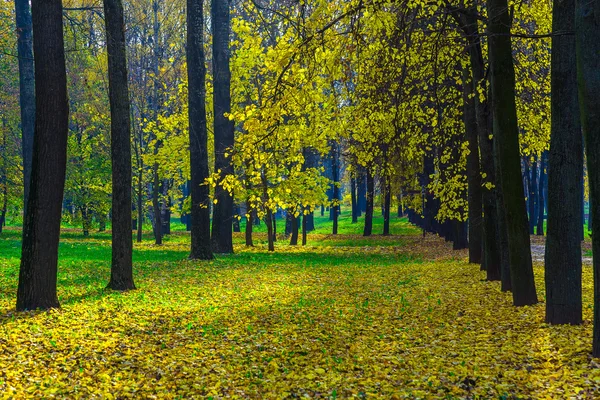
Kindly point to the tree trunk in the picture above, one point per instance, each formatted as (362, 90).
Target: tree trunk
(541, 197)
(26, 89)
(269, 222)
(587, 15)
(85, 220)
(533, 196)
(387, 206)
(165, 208)
(293, 229)
(506, 132)
(121, 272)
(200, 211)
(353, 198)
(249, 224)
(304, 229)
(140, 206)
(335, 172)
(565, 172)
(475, 217)
(459, 239)
(221, 239)
(41, 230)
(158, 234)
(274, 220)
(236, 221)
(369, 212)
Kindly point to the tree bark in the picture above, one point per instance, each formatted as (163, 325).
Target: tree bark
(335, 172)
(41, 230)
(293, 229)
(387, 206)
(506, 131)
(200, 211)
(121, 272)
(533, 196)
(249, 224)
(26, 89)
(221, 239)
(475, 217)
(541, 197)
(369, 212)
(565, 172)
(587, 35)
(353, 198)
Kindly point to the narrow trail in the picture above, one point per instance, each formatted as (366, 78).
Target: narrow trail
(538, 250)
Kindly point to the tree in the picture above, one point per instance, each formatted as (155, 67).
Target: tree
(473, 173)
(26, 88)
(506, 133)
(200, 212)
(368, 229)
(41, 230)
(587, 36)
(565, 172)
(222, 240)
(121, 273)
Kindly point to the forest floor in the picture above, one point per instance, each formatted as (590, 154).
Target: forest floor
(382, 317)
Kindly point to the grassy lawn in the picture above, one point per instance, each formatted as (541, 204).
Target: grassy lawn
(346, 316)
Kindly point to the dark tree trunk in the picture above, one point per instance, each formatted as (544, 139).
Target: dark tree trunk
(249, 225)
(156, 181)
(353, 199)
(475, 217)
(140, 206)
(274, 218)
(506, 131)
(361, 191)
(369, 212)
(459, 239)
(304, 229)
(335, 173)
(533, 196)
(587, 35)
(221, 239)
(565, 173)
(293, 229)
(121, 272)
(429, 208)
(85, 220)
(541, 197)
(200, 211)
(236, 220)
(502, 235)
(491, 261)
(41, 230)
(26, 89)
(165, 208)
(3, 185)
(310, 221)
(387, 206)
(270, 235)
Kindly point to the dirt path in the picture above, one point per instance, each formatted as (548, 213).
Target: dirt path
(538, 249)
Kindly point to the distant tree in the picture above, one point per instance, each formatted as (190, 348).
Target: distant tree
(41, 229)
